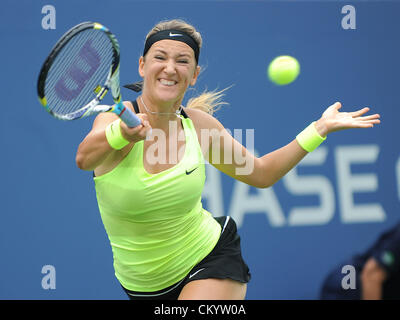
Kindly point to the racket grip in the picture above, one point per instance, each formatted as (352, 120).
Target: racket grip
(126, 115)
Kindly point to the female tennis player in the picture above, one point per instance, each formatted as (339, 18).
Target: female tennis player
(149, 179)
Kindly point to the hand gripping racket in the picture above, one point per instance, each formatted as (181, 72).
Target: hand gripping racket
(79, 71)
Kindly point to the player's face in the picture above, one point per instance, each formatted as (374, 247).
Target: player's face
(168, 69)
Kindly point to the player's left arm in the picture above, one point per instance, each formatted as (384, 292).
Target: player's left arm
(231, 157)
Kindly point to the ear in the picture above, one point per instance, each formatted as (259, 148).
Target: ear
(141, 66)
(195, 76)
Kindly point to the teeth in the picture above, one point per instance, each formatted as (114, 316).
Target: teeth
(167, 83)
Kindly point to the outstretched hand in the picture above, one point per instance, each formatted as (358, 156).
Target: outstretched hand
(333, 120)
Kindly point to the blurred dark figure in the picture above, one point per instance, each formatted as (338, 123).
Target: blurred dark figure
(377, 272)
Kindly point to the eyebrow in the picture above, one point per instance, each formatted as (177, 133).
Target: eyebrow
(179, 55)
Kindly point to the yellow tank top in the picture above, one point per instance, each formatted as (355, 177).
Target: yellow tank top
(157, 227)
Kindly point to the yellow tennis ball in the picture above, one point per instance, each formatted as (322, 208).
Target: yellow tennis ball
(283, 70)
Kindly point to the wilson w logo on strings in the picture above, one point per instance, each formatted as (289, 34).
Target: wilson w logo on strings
(70, 85)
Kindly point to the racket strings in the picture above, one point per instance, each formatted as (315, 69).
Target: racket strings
(81, 66)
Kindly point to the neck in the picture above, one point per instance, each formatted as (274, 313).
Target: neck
(160, 116)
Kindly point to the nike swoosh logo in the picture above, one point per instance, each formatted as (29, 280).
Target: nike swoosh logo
(174, 34)
(193, 274)
(189, 172)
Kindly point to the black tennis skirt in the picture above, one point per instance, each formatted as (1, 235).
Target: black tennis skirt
(225, 261)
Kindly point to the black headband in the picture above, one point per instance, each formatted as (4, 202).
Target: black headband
(173, 34)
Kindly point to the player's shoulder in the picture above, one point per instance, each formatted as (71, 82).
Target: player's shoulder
(202, 119)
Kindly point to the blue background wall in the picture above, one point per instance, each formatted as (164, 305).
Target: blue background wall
(49, 214)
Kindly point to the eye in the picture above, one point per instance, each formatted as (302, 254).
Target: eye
(159, 57)
(184, 61)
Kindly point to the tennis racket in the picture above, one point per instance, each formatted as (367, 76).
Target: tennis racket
(79, 71)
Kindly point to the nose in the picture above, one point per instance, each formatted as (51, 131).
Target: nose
(170, 67)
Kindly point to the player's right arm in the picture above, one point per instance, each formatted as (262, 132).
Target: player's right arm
(95, 153)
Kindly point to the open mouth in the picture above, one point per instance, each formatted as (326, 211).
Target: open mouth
(168, 83)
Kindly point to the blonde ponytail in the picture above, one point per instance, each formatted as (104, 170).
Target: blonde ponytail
(208, 101)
